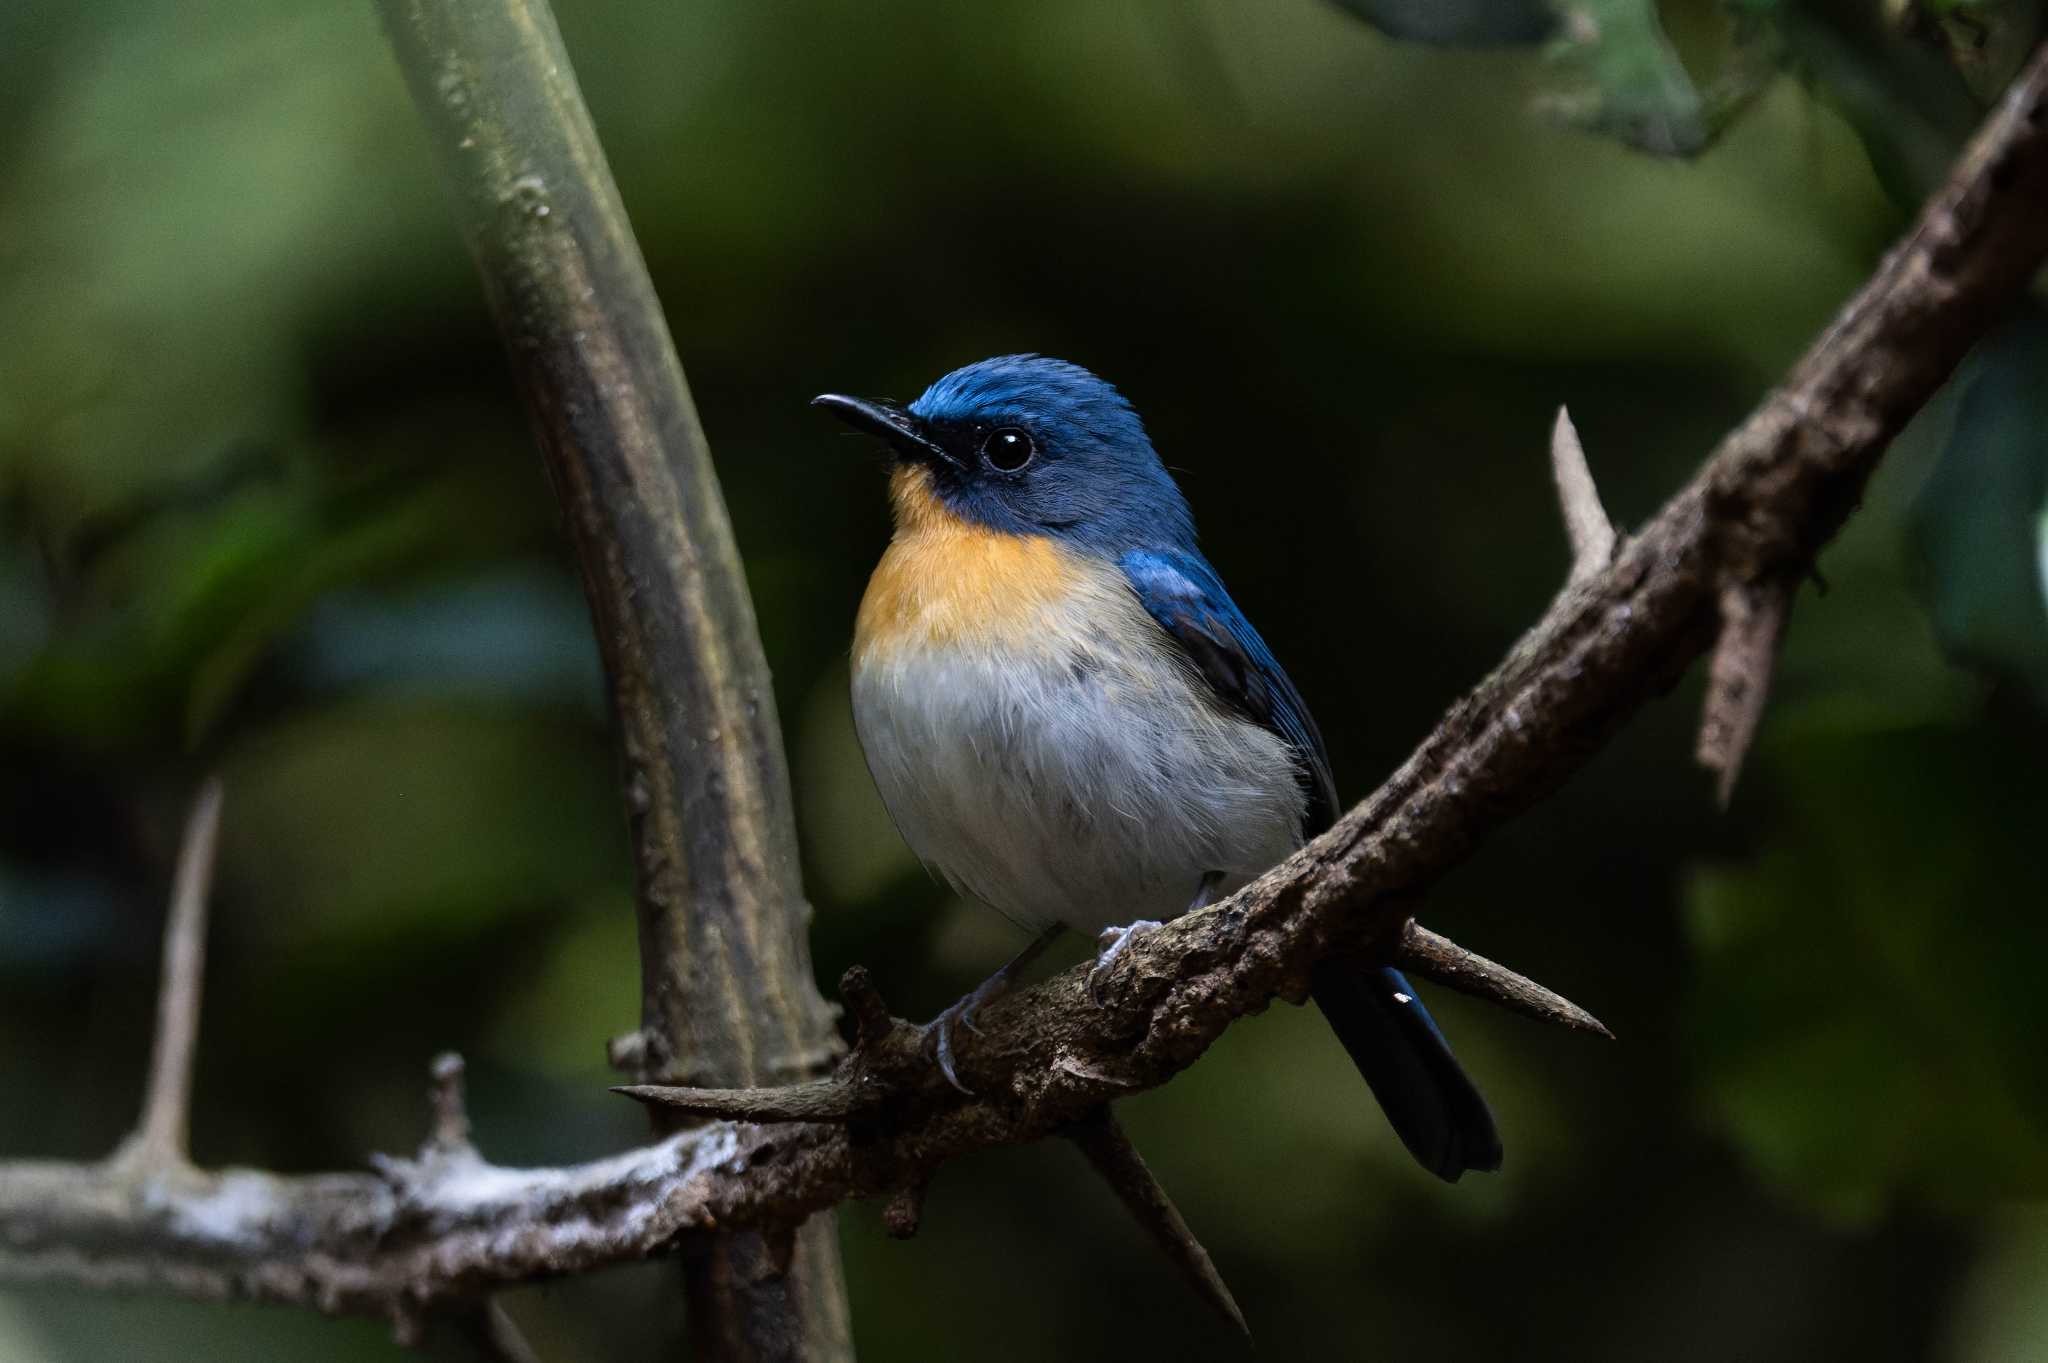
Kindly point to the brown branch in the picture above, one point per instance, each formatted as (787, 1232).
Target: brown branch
(161, 1136)
(727, 992)
(393, 1245)
(1422, 952)
(1771, 495)
(891, 1055)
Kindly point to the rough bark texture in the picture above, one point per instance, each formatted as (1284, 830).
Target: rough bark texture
(728, 996)
(448, 1224)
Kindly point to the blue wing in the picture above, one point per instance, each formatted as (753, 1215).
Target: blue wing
(1391, 1037)
(1182, 592)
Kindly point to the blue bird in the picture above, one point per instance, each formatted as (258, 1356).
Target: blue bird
(1070, 720)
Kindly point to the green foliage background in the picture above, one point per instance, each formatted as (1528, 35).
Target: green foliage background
(267, 504)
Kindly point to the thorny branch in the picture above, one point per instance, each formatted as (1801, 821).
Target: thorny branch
(448, 1225)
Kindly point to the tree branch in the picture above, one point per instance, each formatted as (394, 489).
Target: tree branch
(728, 996)
(1771, 495)
(423, 1233)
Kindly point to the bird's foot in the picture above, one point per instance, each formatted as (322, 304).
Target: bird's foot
(1113, 941)
(938, 1033)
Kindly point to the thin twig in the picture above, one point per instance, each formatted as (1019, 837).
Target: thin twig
(161, 1136)
(1440, 959)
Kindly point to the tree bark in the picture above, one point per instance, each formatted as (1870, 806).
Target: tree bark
(727, 992)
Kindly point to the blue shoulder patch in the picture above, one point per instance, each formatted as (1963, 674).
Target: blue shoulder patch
(1183, 593)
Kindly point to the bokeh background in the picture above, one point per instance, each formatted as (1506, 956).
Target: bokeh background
(267, 506)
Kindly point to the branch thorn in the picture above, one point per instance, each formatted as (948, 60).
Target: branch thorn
(161, 1138)
(450, 1130)
(1101, 1138)
(1753, 617)
(1437, 958)
(1585, 520)
(820, 1100)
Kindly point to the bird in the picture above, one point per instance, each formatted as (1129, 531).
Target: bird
(1069, 719)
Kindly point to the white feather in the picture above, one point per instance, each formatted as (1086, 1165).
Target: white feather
(1086, 777)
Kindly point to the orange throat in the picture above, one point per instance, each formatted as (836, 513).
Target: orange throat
(945, 581)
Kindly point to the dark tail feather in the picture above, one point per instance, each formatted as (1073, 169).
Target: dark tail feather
(1395, 1043)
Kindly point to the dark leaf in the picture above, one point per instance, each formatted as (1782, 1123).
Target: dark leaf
(1458, 23)
(1978, 522)
(1869, 1011)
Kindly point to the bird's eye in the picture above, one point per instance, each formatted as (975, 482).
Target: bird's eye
(1008, 448)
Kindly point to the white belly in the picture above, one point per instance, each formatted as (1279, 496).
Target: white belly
(1090, 784)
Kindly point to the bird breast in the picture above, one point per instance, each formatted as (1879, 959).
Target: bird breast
(1041, 744)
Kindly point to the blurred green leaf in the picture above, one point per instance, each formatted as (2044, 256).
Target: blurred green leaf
(383, 817)
(188, 221)
(519, 632)
(1978, 522)
(175, 615)
(1620, 75)
(1910, 108)
(2003, 1312)
(51, 920)
(1611, 67)
(1868, 1007)
(587, 990)
(1988, 40)
(1458, 23)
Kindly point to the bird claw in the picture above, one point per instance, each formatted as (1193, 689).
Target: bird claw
(1113, 941)
(939, 1031)
(938, 1038)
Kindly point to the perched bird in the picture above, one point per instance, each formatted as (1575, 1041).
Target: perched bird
(1070, 720)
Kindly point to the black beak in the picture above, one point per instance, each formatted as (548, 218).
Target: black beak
(886, 420)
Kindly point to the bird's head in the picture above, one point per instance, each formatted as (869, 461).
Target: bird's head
(1026, 445)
